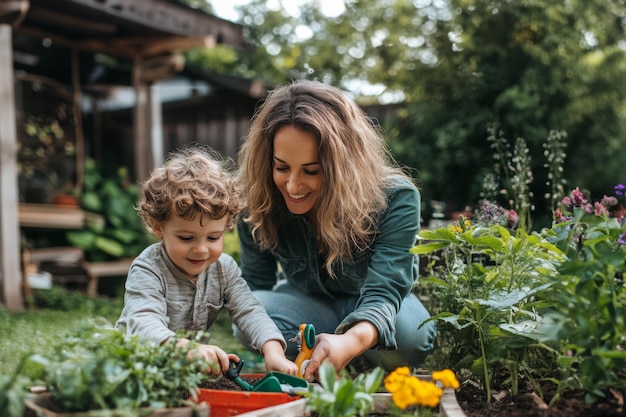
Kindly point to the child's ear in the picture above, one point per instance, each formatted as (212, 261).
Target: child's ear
(156, 228)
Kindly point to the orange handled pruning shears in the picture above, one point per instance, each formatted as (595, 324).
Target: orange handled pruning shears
(306, 341)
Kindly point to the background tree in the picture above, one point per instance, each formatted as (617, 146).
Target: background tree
(461, 67)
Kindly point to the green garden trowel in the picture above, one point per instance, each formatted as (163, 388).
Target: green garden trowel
(271, 382)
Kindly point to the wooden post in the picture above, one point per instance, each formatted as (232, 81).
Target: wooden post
(10, 274)
(141, 123)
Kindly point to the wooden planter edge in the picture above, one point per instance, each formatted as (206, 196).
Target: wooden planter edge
(448, 407)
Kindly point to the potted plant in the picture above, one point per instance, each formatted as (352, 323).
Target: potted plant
(100, 371)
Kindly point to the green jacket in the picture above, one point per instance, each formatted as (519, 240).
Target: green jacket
(380, 276)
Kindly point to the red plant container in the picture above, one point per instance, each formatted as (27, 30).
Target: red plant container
(228, 403)
(232, 403)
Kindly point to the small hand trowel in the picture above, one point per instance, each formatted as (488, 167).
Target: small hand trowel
(271, 382)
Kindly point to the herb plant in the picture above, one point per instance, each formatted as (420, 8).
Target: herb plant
(101, 368)
(341, 395)
(13, 391)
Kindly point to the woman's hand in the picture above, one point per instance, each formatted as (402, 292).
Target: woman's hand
(340, 349)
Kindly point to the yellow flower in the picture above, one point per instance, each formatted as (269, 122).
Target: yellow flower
(403, 398)
(447, 378)
(396, 379)
(428, 395)
(407, 390)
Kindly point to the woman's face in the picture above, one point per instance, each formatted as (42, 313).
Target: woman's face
(297, 171)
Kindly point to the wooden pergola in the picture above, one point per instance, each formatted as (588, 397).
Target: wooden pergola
(149, 33)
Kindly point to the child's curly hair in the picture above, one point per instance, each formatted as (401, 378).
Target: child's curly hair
(191, 182)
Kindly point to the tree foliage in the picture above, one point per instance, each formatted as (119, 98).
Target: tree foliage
(461, 67)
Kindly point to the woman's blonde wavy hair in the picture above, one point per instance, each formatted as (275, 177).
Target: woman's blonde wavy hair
(191, 182)
(355, 162)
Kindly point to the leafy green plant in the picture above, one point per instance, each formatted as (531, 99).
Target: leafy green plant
(122, 232)
(13, 391)
(101, 368)
(341, 395)
(487, 285)
(585, 317)
(503, 295)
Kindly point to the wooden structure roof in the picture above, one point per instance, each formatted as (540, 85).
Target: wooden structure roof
(61, 40)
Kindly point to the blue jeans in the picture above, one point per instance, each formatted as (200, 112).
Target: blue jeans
(289, 307)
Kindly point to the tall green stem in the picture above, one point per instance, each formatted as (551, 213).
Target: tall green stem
(484, 356)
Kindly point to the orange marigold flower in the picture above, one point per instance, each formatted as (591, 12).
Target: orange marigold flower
(396, 379)
(447, 378)
(403, 398)
(429, 395)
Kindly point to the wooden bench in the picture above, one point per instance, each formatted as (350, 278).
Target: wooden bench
(93, 271)
(96, 270)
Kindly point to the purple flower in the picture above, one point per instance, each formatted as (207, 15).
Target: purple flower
(622, 240)
(620, 189)
(577, 198)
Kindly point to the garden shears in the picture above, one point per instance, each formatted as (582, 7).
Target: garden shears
(306, 342)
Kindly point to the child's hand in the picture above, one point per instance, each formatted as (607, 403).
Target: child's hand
(217, 360)
(275, 359)
(283, 365)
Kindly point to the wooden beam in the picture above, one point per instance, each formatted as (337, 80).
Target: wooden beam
(10, 275)
(63, 20)
(167, 16)
(48, 216)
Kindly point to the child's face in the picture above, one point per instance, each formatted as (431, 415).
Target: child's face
(192, 245)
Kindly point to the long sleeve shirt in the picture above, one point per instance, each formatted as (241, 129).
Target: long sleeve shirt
(160, 299)
(380, 276)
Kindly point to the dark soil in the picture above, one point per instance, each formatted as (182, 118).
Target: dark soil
(224, 383)
(529, 404)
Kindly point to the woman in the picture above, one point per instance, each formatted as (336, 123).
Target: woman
(326, 233)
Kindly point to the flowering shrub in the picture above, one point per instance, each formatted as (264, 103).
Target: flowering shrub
(584, 319)
(505, 294)
(408, 390)
(486, 286)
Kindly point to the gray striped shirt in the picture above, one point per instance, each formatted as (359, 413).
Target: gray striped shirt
(160, 299)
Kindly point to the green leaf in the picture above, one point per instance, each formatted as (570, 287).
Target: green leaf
(425, 248)
(91, 202)
(109, 246)
(82, 238)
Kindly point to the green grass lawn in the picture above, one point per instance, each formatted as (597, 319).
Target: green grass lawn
(57, 312)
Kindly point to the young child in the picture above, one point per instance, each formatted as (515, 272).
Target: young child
(183, 281)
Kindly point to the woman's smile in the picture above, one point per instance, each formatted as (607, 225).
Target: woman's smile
(297, 172)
